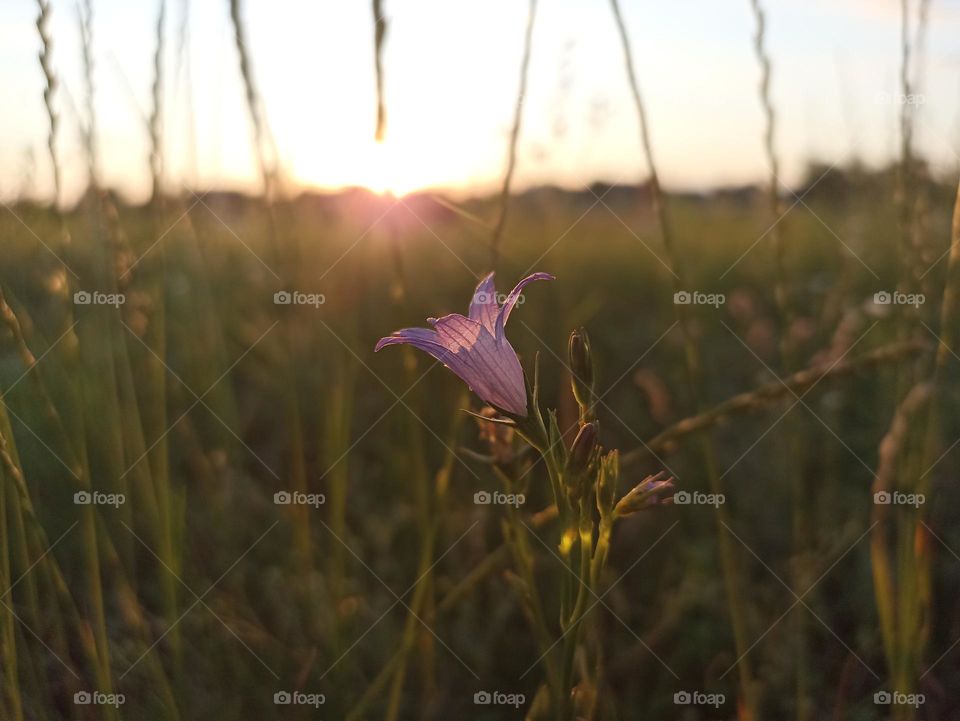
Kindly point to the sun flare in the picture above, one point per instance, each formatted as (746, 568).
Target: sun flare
(384, 172)
(384, 168)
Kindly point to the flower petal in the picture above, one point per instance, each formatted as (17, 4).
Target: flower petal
(483, 304)
(424, 339)
(512, 299)
(457, 359)
(492, 368)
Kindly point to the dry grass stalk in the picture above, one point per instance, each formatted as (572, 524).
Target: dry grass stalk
(379, 36)
(908, 192)
(793, 439)
(49, 90)
(762, 397)
(85, 10)
(497, 235)
(773, 195)
(267, 172)
(156, 94)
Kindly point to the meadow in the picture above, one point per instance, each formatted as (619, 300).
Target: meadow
(219, 501)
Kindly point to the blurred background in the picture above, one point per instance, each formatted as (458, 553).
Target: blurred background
(217, 499)
(451, 90)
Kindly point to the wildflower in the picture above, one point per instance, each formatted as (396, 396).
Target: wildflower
(475, 347)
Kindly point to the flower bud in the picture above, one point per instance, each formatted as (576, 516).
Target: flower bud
(582, 457)
(583, 449)
(581, 365)
(607, 482)
(645, 494)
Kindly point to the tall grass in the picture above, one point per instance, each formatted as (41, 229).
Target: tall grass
(728, 562)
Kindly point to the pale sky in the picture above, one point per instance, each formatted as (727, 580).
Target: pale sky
(452, 72)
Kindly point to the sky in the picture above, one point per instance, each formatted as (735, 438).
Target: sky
(452, 75)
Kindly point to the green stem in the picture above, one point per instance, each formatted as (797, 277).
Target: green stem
(523, 560)
(574, 623)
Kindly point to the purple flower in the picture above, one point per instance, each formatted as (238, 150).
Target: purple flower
(475, 347)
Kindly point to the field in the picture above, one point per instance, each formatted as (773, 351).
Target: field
(219, 501)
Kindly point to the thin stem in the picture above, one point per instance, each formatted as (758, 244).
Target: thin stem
(523, 560)
(574, 624)
(735, 602)
(285, 257)
(514, 137)
(380, 33)
(85, 10)
(760, 398)
(155, 120)
(792, 435)
(773, 194)
(267, 172)
(49, 90)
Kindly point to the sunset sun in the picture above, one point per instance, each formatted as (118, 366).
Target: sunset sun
(385, 168)
(382, 170)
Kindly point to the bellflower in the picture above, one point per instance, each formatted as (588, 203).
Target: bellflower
(475, 347)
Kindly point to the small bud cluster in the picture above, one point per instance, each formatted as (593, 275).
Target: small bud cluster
(586, 462)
